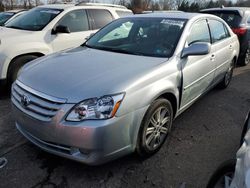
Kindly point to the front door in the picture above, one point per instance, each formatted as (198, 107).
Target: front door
(78, 24)
(198, 71)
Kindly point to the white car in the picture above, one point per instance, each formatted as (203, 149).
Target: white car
(50, 28)
(234, 173)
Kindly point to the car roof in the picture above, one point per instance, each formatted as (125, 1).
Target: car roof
(86, 5)
(161, 11)
(178, 15)
(239, 10)
(227, 8)
(57, 6)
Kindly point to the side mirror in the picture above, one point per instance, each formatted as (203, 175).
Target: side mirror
(88, 37)
(60, 29)
(198, 48)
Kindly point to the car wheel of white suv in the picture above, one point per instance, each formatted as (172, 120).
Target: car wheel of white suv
(155, 127)
(16, 66)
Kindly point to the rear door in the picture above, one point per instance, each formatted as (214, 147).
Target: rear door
(78, 24)
(223, 46)
(198, 71)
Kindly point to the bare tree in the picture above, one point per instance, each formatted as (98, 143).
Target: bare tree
(54, 1)
(178, 3)
(136, 5)
(1, 5)
(37, 2)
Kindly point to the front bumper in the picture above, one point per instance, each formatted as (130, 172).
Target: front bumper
(91, 142)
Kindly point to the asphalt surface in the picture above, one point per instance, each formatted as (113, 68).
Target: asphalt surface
(204, 136)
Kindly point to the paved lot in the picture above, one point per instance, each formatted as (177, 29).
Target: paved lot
(203, 136)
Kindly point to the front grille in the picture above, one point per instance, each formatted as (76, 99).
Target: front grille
(37, 105)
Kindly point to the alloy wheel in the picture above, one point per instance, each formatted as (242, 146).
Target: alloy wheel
(247, 57)
(157, 128)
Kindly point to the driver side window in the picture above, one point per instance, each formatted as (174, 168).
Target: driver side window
(199, 33)
(121, 32)
(76, 21)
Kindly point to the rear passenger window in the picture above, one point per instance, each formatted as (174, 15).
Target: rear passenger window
(218, 31)
(123, 13)
(199, 33)
(75, 20)
(100, 18)
(226, 30)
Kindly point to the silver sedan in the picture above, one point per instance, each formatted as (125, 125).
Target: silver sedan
(121, 90)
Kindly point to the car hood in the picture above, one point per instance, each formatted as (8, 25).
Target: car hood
(83, 73)
(9, 32)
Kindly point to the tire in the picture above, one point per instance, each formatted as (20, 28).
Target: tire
(16, 66)
(227, 78)
(245, 129)
(154, 128)
(223, 172)
(245, 59)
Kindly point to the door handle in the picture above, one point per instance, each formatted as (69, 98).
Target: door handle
(230, 46)
(212, 57)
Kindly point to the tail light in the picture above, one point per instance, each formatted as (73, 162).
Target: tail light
(240, 30)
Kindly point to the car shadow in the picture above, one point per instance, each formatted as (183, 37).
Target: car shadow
(4, 92)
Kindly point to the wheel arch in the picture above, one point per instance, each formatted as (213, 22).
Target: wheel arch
(38, 54)
(235, 58)
(172, 99)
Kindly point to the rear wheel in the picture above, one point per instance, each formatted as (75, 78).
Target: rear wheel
(227, 78)
(16, 66)
(245, 59)
(155, 128)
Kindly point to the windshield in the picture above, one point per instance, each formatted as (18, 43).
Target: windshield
(34, 20)
(155, 37)
(4, 16)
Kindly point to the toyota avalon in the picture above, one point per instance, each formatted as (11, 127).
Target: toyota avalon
(120, 91)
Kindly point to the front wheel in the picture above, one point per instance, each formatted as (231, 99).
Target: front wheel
(227, 78)
(222, 177)
(155, 127)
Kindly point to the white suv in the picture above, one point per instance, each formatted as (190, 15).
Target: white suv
(50, 28)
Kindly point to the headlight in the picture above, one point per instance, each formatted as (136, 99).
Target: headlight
(96, 108)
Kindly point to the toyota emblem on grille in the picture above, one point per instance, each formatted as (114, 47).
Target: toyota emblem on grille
(25, 101)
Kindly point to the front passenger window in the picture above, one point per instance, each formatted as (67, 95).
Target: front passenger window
(75, 20)
(199, 33)
(217, 30)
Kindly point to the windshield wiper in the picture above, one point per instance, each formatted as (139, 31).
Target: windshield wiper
(15, 27)
(114, 50)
